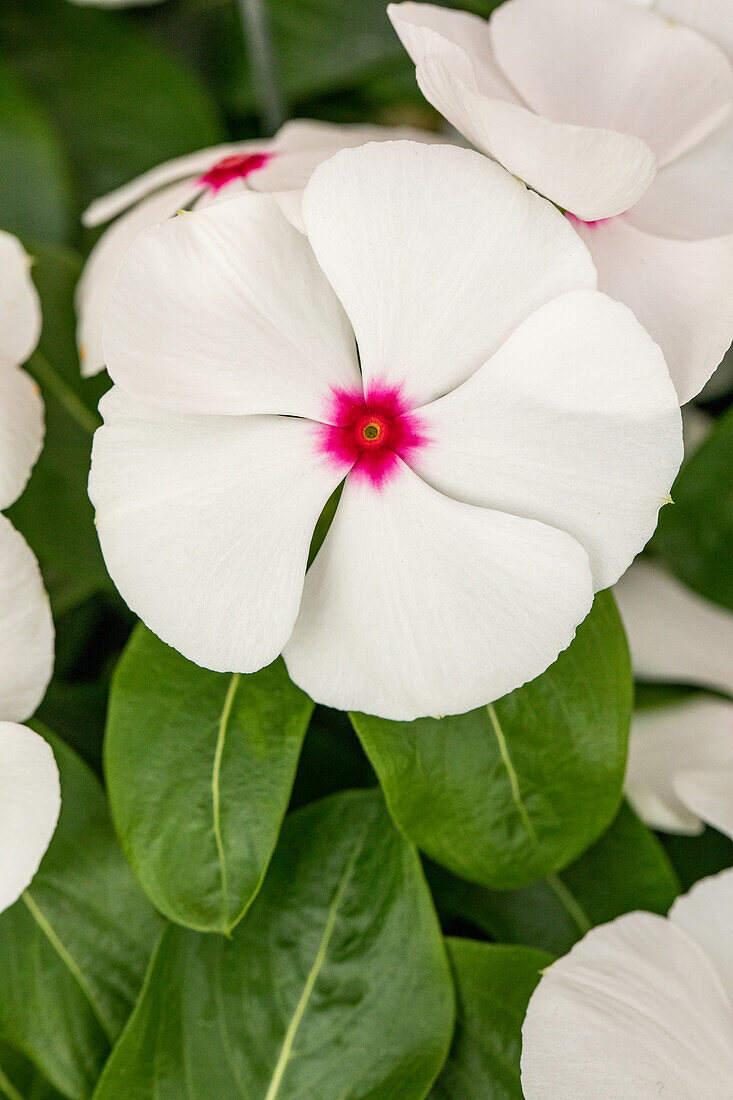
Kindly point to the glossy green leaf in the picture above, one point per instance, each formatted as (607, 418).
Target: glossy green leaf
(199, 768)
(35, 184)
(514, 791)
(696, 857)
(493, 987)
(334, 985)
(694, 536)
(74, 948)
(121, 103)
(54, 512)
(626, 869)
(20, 1080)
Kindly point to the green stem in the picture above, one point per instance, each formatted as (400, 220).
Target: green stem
(51, 380)
(263, 63)
(570, 903)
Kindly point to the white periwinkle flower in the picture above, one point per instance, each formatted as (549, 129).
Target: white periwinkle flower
(29, 783)
(621, 117)
(680, 767)
(505, 433)
(641, 1008)
(281, 166)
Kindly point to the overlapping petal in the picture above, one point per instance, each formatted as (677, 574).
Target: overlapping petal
(437, 255)
(21, 431)
(615, 66)
(30, 800)
(573, 422)
(635, 1010)
(710, 17)
(205, 524)
(20, 308)
(226, 311)
(679, 289)
(674, 634)
(417, 604)
(26, 628)
(680, 766)
(704, 914)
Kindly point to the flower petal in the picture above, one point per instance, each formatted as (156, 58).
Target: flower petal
(691, 197)
(303, 144)
(20, 308)
(669, 743)
(21, 431)
(616, 66)
(92, 290)
(205, 524)
(426, 29)
(188, 167)
(26, 628)
(437, 255)
(704, 913)
(573, 422)
(30, 800)
(679, 290)
(419, 605)
(710, 17)
(673, 633)
(225, 310)
(634, 1011)
(593, 172)
(708, 793)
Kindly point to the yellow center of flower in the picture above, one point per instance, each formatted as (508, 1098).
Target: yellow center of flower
(371, 431)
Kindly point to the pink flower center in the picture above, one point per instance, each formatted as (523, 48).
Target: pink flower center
(236, 167)
(369, 434)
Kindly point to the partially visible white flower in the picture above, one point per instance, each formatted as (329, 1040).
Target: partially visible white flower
(585, 100)
(641, 1008)
(29, 783)
(712, 17)
(506, 434)
(281, 166)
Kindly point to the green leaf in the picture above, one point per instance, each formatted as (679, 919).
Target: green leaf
(514, 791)
(121, 103)
(20, 1080)
(199, 768)
(694, 535)
(334, 985)
(35, 186)
(493, 987)
(626, 869)
(696, 857)
(74, 948)
(54, 512)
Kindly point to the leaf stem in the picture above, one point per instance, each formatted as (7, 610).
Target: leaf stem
(47, 376)
(570, 903)
(262, 59)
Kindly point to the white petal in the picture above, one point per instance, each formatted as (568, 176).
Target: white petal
(26, 628)
(225, 310)
(692, 197)
(303, 144)
(573, 422)
(674, 634)
(711, 17)
(21, 431)
(667, 745)
(616, 66)
(30, 800)
(96, 280)
(679, 290)
(705, 915)
(190, 167)
(426, 29)
(595, 173)
(419, 605)
(205, 524)
(437, 255)
(20, 308)
(635, 1011)
(709, 793)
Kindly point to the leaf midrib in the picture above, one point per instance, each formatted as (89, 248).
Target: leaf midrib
(511, 773)
(216, 793)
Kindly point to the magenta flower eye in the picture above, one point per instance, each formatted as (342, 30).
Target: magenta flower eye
(238, 166)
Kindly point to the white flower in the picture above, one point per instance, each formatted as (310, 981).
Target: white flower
(680, 767)
(584, 99)
(29, 784)
(641, 1008)
(281, 166)
(506, 444)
